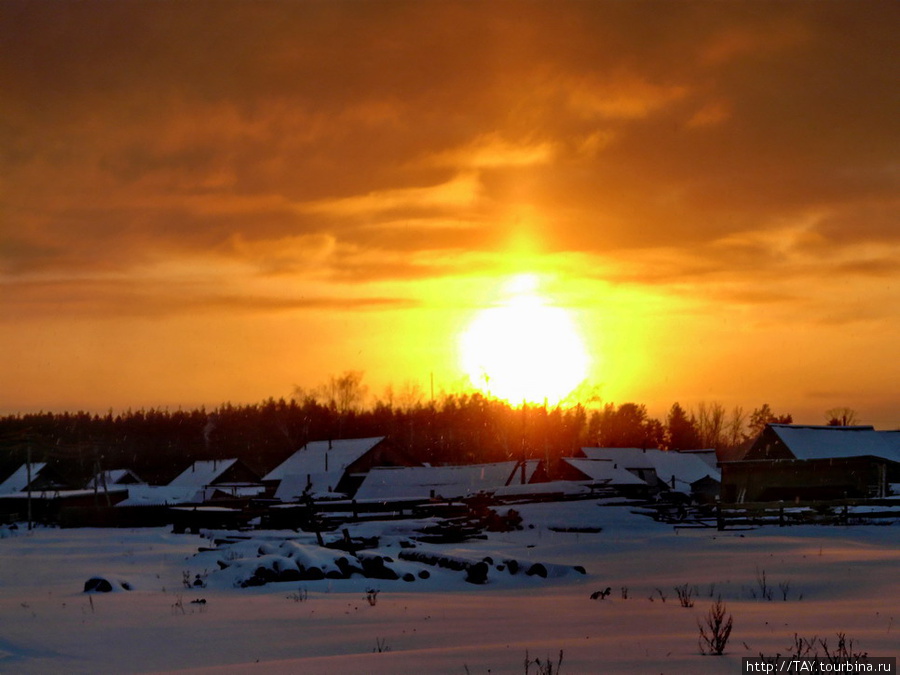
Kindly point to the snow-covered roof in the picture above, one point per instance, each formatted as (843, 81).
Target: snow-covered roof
(448, 482)
(892, 438)
(202, 473)
(556, 487)
(603, 470)
(684, 467)
(161, 495)
(18, 481)
(815, 442)
(113, 477)
(627, 458)
(324, 458)
(708, 455)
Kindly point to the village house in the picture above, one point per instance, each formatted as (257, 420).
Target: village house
(442, 482)
(602, 474)
(34, 477)
(332, 468)
(795, 462)
(113, 477)
(685, 473)
(219, 479)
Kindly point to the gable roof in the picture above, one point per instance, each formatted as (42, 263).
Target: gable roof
(626, 458)
(892, 439)
(708, 455)
(448, 482)
(18, 481)
(202, 473)
(603, 470)
(822, 442)
(326, 459)
(114, 477)
(676, 469)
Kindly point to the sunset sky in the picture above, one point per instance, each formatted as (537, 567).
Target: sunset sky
(207, 201)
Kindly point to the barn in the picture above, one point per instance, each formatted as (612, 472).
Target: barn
(799, 463)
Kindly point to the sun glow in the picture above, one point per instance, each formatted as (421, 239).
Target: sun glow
(524, 349)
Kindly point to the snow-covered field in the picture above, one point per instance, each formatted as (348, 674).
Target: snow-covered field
(821, 580)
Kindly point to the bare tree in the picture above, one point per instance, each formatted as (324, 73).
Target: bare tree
(347, 391)
(763, 415)
(841, 417)
(710, 424)
(734, 429)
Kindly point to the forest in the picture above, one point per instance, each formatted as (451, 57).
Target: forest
(451, 429)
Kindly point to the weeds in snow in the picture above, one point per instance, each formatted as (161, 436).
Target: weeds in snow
(685, 595)
(765, 591)
(844, 650)
(784, 587)
(545, 667)
(802, 647)
(302, 595)
(715, 629)
(372, 596)
(381, 646)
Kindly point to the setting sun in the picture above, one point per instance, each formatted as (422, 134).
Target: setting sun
(524, 349)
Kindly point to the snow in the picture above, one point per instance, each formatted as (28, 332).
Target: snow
(811, 442)
(836, 579)
(160, 495)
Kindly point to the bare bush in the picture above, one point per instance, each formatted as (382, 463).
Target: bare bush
(545, 667)
(715, 629)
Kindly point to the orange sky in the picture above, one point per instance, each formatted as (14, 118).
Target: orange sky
(216, 201)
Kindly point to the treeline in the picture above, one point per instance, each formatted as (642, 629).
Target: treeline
(454, 429)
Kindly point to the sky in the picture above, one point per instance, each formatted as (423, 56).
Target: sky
(221, 201)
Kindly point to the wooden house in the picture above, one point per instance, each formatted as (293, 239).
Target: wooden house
(442, 482)
(219, 478)
(798, 463)
(688, 474)
(332, 467)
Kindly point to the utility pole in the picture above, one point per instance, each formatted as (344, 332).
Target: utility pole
(28, 487)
